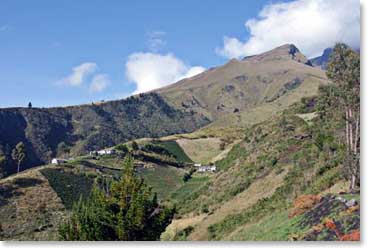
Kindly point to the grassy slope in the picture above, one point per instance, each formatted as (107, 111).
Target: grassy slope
(269, 147)
(256, 86)
(201, 150)
(76, 130)
(34, 202)
(176, 150)
(29, 207)
(163, 179)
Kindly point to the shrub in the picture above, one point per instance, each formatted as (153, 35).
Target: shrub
(122, 147)
(204, 209)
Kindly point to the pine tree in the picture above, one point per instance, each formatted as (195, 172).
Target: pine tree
(130, 212)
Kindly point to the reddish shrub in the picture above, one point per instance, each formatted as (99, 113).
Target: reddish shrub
(352, 236)
(329, 223)
(303, 203)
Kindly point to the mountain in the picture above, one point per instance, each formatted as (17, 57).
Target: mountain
(322, 60)
(237, 94)
(280, 175)
(273, 184)
(70, 131)
(247, 91)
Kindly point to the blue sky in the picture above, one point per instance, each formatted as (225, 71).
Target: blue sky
(122, 47)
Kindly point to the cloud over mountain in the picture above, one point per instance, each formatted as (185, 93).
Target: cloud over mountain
(86, 74)
(152, 70)
(80, 74)
(99, 83)
(312, 25)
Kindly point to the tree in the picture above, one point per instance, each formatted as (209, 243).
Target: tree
(186, 177)
(122, 147)
(29, 105)
(134, 145)
(344, 71)
(129, 212)
(2, 164)
(18, 154)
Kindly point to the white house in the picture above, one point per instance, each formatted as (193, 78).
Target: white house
(106, 152)
(209, 168)
(58, 161)
(197, 165)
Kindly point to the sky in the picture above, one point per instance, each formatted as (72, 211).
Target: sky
(58, 53)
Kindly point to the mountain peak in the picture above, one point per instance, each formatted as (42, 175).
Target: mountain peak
(286, 51)
(322, 61)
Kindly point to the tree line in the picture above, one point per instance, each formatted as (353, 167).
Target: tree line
(341, 101)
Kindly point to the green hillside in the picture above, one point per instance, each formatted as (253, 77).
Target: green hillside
(76, 130)
(286, 166)
(258, 181)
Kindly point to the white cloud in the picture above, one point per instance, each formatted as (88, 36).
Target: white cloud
(156, 40)
(151, 70)
(193, 71)
(312, 25)
(99, 83)
(80, 74)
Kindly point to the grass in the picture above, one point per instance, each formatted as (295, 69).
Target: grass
(69, 186)
(201, 150)
(163, 179)
(237, 152)
(109, 161)
(274, 227)
(173, 148)
(189, 188)
(29, 208)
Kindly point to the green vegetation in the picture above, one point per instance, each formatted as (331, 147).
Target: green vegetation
(237, 152)
(122, 148)
(344, 71)
(183, 234)
(173, 148)
(76, 130)
(130, 211)
(19, 154)
(163, 179)
(188, 175)
(68, 185)
(188, 192)
(270, 157)
(274, 227)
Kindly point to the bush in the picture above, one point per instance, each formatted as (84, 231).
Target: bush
(134, 146)
(186, 177)
(122, 147)
(204, 209)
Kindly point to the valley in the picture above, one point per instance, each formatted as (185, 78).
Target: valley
(262, 122)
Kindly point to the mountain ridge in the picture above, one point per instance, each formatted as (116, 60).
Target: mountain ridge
(239, 93)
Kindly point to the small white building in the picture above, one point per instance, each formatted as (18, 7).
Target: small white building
(93, 153)
(106, 152)
(58, 161)
(197, 165)
(209, 168)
